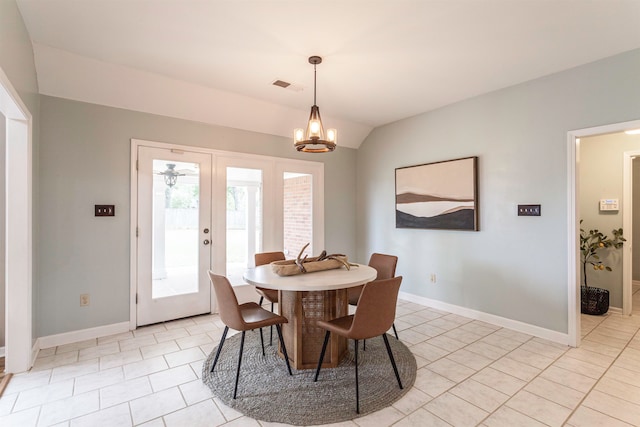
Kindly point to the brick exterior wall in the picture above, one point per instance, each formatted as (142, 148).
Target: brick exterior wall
(297, 215)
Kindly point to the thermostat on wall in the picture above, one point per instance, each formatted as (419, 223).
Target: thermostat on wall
(608, 204)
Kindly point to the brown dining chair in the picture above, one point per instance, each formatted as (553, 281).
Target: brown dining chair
(374, 315)
(385, 265)
(271, 295)
(242, 317)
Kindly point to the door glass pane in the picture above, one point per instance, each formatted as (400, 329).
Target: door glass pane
(244, 220)
(298, 213)
(176, 196)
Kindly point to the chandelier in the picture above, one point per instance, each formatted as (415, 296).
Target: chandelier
(314, 139)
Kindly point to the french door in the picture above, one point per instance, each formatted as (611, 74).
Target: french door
(174, 234)
(195, 210)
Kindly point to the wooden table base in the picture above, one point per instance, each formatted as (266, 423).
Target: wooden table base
(301, 335)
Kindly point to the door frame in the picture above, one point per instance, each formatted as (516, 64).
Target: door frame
(573, 223)
(19, 349)
(277, 163)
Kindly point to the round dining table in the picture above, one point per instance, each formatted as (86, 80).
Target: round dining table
(306, 298)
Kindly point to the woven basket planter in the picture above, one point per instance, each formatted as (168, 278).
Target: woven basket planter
(594, 300)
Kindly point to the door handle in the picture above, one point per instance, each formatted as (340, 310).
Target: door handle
(206, 241)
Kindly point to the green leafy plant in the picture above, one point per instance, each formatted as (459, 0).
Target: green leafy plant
(591, 243)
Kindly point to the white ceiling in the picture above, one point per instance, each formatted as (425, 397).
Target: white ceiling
(384, 60)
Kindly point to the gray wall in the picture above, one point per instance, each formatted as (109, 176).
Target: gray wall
(514, 267)
(85, 160)
(601, 177)
(16, 61)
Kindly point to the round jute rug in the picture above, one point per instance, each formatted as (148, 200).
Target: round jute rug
(267, 392)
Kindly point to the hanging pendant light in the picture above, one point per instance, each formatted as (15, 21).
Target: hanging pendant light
(314, 139)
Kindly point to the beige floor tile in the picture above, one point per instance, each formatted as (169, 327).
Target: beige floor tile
(555, 392)
(446, 343)
(428, 330)
(461, 335)
(124, 391)
(201, 339)
(184, 356)
(411, 337)
(507, 417)
(49, 362)
(574, 380)
(456, 411)
(76, 346)
(600, 348)
(590, 357)
(487, 350)
(538, 408)
(425, 314)
(624, 375)
(469, 359)
(431, 383)
(517, 369)
(172, 377)
(172, 334)
(98, 380)
(411, 401)
(117, 416)
(613, 407)
(421, 418)
(71, 407)
(28, 417)
(529, 358)
(137, 342)
(547, 349)
(144, 367)
(480, 395)
(42, 395)
(622, 390)
(384, 417)
(451, 370)
(156, 405)
(600, 338)
(428, 351)
(204, 414)
(585, 417)
(195, 391)
(27, 380)
(149, 330)
(100, 350)
(120, 359)
(443, 323)
(514, 335)
(580, 367)
(500, 381)
(160, 349)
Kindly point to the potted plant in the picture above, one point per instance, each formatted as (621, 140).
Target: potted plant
(596, 300)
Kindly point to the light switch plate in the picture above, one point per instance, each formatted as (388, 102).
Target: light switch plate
(105, 210)
(528, 210)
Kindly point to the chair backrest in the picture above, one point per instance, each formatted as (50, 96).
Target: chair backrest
(227, 302)
(376, 308)
(268, 257)
(385, 265)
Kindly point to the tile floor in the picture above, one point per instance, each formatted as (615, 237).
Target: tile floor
(469, 373)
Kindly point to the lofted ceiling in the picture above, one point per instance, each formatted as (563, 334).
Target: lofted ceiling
(214, 61)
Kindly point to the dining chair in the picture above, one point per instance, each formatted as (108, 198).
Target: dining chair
(243, 317)
(374, 315)
(385, 265)
(270, 294)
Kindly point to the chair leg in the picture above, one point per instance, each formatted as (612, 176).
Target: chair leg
(271, 329)
(357, 386)
(394, 331)
(393, 361)
(224, 335)
(324, 348)
(235, 390)
(284, 348)
(262, 341)
(260, 303)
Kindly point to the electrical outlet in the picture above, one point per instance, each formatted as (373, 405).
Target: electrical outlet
(84, 300)
(433, 278)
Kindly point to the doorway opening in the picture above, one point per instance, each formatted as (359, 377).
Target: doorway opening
(18, 228)
(575, 214)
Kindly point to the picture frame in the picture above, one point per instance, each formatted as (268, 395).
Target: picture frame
(439, 196)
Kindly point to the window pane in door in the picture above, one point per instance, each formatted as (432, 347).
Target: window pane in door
(244, 220)
(298, 213)
(176, 197)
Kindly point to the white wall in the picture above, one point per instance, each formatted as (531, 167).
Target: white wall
(514, 267)
(3, 130)
(84, 160)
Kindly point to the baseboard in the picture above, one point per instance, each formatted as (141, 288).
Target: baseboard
(615, 310)
(81, 335)
(503, 322)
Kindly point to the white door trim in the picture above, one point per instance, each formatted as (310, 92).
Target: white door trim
(19, 228)
(627, 226)
(573, 220)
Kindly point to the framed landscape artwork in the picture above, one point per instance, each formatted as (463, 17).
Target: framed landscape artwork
(442, 195)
